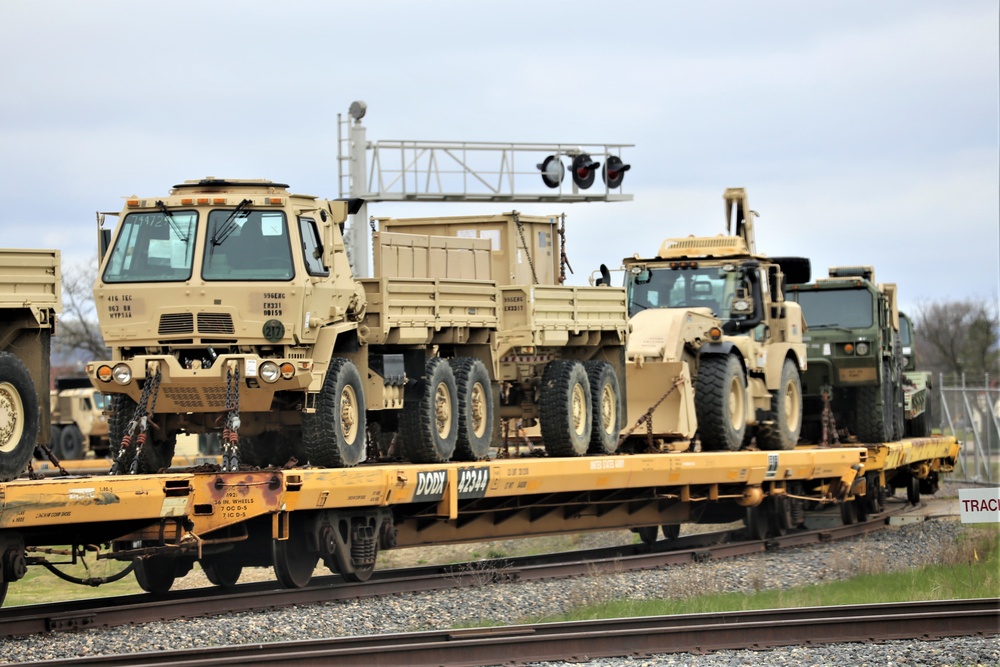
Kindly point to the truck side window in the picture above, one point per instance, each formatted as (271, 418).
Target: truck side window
(312, 248)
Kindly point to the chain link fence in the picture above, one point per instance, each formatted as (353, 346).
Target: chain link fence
(970, 410)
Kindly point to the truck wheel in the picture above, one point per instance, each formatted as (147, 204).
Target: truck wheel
(786, 409)
(54, 440)
(70, 444)
(565, 408)
(871, 414)
(918, 427)
(720, 399)
(606, 407)
(268, 448)
(429, 423)
(475, 409)
(334, 435)
(18, 417)
(121, 409)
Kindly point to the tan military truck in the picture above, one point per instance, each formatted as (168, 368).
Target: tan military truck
(79, 424)
(30, 299)
(715, 349)
(230, 306)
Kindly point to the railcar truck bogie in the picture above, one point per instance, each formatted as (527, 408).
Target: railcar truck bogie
(230, 306)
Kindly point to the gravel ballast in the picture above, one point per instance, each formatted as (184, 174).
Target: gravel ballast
(896, 548)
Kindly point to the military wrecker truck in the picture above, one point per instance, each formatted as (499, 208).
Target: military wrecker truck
(229, 305)
(917, 384)
(30, 299)
(854, 384)
(715, 348)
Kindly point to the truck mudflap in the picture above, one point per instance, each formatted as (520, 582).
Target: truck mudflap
(660, 400)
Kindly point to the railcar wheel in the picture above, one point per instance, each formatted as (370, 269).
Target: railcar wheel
(756, 521)
(155, 574)
(294, 560)
(475, 409)
(787, 412)
(647, 534)
(429, 424)
(70, 444)
(565, 408)
(848, 512)
(913, 490)
(606, 407)
(671, 531)
(873, 493)
(720, 399)
(222, 570)
(334, 435)
(779, 511)
(18, 417)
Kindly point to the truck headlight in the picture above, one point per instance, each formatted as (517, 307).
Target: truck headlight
(862, 349)
(122, 373)
(268, 372)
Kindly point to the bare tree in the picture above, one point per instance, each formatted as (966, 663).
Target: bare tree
(959, 337)
(78, 336)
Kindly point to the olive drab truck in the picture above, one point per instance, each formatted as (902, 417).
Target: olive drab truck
(854, 384)
(79, 423)
(30, 300)
(715, 349)
(917, 385)
(229, 306)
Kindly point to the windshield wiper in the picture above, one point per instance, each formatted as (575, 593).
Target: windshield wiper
(226, 229)
(169, 217)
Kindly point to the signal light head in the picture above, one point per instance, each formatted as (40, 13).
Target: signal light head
(584, 171)
(552, 171)
(613, 171)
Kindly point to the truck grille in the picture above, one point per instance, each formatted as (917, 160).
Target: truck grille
(176, 323)
(216, 323)
(183, 323)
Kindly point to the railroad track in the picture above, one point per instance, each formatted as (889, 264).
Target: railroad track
(585, 640)
(191, 603)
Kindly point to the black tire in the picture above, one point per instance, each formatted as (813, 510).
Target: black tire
(53, 442)
(870, 416)
(155, 574)
(270, 448)
(18, 417)
(222, 570)
(70, 447)
(156, 455)
(475, 409)
(919, 426)
(121, 410)
(429, 423)
(334, 435)
(786, 410)
(565, 408)
(720, 397)
(606, 407)
(294, 562)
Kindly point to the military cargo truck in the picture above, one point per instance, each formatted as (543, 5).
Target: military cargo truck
(917, 385)
(715, 348)
(855, 372)
(79, 424)
(30, 299)
(229, 305)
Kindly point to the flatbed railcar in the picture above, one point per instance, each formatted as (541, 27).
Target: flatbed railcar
(292, 519)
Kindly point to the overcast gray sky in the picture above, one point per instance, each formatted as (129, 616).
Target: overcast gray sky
(866, 131)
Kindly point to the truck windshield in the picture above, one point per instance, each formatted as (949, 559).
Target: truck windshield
(252, 245)
(844, 308)
(153, 247)
(710, 287)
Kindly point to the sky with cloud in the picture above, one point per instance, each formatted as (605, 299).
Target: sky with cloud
(866, 132)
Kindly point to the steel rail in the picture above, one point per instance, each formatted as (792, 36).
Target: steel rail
(604, 638)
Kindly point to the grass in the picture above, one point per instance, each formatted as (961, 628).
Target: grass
(39, 585)
(971, 570)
